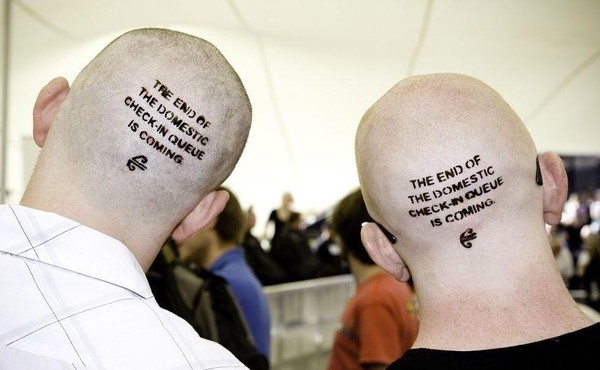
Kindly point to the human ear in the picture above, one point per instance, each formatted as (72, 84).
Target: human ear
(382, 251)
(201, 216)
(46, 107)
(555, 186)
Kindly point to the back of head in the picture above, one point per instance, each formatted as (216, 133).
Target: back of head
(155, 121)
(348, 216)
(231, 221)
(447, 166)
(250, 219)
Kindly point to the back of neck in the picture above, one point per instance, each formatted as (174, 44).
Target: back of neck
(144, 240)
(492, 306)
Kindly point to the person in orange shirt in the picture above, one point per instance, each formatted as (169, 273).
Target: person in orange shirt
(380, 321)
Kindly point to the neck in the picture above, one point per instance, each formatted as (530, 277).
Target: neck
(362, 271)
(142, 239)
(216, 250)
(506, 302)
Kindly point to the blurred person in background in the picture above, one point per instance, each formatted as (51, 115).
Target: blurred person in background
(279, 217)
(588, 269)
(292, 251)
(218, 249)
(261, 262)
(380, 321)
(562, 254)
(329, 253)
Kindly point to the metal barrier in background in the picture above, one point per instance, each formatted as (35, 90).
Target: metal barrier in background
(305, 316)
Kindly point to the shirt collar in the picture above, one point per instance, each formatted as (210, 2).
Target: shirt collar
(60, 242)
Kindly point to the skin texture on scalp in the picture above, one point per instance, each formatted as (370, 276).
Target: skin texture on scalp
(427, 125)
(183, 96)
(449, 168)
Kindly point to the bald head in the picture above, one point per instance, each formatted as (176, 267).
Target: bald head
(448, 168)
(154, 122)
(442, 158)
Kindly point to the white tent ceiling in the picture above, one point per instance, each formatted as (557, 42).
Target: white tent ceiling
(312, 67)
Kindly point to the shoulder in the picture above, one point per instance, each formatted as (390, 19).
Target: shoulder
(196, 349)
(240, 277)
(579, 349)
(235, 267)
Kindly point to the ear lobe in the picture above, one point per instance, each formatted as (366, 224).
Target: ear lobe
(555, 186)
(202, 215)
(47, 106)
(382, 252)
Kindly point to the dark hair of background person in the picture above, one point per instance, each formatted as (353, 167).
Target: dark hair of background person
(294, 217)
(231, 221)
(346, 222)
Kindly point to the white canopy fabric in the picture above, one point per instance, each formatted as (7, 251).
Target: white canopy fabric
(313, 67)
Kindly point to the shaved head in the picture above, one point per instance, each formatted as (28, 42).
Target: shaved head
(448, 168)
(443, 157)
(155, 121)
(137, 146)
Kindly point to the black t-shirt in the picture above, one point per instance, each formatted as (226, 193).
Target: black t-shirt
(576, 350)
(265, 268)
(279, 225)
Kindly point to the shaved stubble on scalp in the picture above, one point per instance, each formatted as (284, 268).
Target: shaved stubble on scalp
(153, 123)
(449, 169)
(426, 148)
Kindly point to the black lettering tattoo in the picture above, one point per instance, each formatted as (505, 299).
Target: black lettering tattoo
(466, 237)
(168, 123)
(138, 161)
(462, 183)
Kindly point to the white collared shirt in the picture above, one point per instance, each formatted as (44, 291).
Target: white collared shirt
(75, 295)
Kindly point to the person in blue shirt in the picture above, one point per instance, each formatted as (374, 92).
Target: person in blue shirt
(218, 249)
